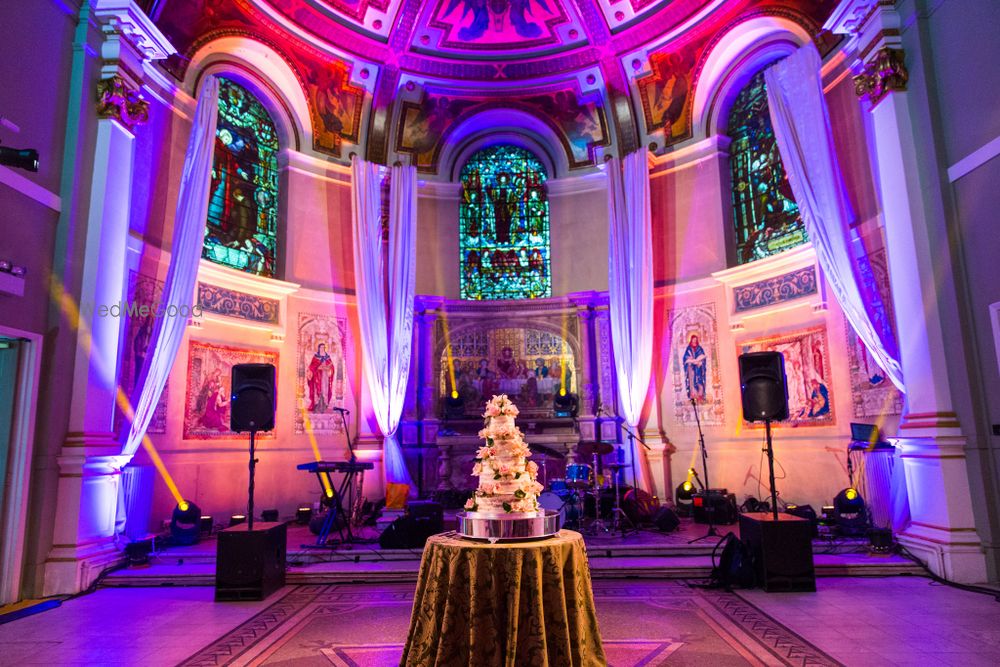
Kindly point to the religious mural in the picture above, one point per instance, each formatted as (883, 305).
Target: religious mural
(321, 382)
(142, 291)
(872, 393)
(532, 366)
(499, 23)
(209, 375)
(807, 370)
(667, 93)
(504, 226)
(335, 105)
(765, 214)
(694, 364)
(580, 125)
(242, 227)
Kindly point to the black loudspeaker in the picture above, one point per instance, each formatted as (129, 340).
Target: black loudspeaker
(718, 502)
(253, 398)
(250, 564)
(763, 386)
(423, 518)
(666, 519)
(781, 550)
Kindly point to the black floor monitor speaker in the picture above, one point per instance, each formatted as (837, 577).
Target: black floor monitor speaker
(250, 564)
(763, 386)
(253, 398)
(422, 519)
(666, 519)
(781, 550)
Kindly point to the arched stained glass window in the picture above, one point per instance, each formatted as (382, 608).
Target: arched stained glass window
(504, 226)
(242, 225)
(764, 210)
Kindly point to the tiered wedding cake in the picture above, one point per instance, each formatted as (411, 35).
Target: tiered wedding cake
(507, 483)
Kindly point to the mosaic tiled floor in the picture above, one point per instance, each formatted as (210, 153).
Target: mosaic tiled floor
(647, 623)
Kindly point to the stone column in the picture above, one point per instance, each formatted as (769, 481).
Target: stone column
(90, 461)
(942, 529)
(586, 368)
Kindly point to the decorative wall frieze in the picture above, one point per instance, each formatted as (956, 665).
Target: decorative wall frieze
(771, 291)
(231, 303)
(883, 73)
(119, 100)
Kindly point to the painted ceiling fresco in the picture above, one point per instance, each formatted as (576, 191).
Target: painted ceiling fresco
(351, 57)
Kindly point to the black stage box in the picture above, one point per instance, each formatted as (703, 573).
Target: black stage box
(718, 503)
(250, 564)
(782, 550)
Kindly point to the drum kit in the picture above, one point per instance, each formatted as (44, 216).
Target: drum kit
(586, 499)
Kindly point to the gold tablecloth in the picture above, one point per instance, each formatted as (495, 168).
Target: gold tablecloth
(504, 604)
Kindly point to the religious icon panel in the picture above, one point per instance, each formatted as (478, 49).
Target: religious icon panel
(504, 226)
(242, 227)
(764, 210)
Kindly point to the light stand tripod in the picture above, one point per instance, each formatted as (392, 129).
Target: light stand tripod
(620, 520)
(707, 488)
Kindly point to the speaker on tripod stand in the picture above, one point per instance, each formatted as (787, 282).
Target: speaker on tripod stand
(781, 545)
(250, 558)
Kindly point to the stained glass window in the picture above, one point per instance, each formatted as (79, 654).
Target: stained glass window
(764, 210)
(242, 225)
(504, 226)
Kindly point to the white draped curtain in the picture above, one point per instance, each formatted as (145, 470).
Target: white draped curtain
(385, 311)
(185, 255)
(805, 141)
(630, 290)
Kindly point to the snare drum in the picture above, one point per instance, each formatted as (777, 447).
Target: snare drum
(579, 476)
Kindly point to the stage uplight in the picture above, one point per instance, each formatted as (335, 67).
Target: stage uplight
(137, 553)
(683, 498)
(850, 513)
(185, 524)
(565, 405)
(22, 158)
(237, 519)
(206, 524)
(303, 514)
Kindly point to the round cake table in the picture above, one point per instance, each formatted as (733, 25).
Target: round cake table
(504, 604)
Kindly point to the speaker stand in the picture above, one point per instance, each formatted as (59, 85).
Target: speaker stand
(253, 469)
(712, 532)
(770, 467)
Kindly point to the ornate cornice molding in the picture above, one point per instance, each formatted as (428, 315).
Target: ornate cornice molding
(130, 39)
(883, 73)
(117, 99)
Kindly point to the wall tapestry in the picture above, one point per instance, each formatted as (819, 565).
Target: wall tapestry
(142, 291)
(807, 369)
(872, 393)
(694, 364)
(529, 365)
(206, 408)
(321, 381)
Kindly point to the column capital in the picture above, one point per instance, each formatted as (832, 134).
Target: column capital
(883, 73)
(119, 100)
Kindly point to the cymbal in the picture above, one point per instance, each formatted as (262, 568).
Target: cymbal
(591, 448)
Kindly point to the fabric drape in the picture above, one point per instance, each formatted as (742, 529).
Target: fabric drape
(385, 311)
(805, 141)
(630, 290)
(185, 255)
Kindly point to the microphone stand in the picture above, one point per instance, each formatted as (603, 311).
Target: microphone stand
(709, 507)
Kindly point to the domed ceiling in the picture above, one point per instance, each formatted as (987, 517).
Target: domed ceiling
(399, 77)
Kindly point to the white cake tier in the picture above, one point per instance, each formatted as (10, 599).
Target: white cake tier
(501, 421)
(494, 504)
